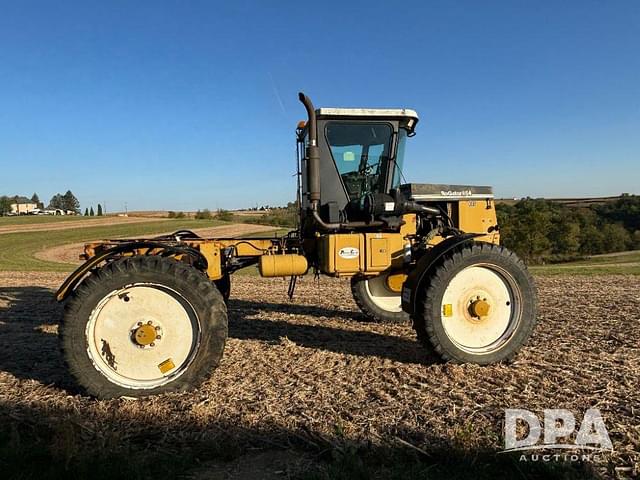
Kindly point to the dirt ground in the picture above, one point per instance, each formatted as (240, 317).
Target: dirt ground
(303, 377)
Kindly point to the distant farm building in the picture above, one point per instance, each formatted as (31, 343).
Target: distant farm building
(23, 206)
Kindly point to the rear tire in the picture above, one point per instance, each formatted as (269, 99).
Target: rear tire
(467, 281)
(142, 326)
(376, 301)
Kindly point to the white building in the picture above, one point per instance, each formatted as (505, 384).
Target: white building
(23, 208)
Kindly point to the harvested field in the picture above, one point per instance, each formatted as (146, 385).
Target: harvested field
(72, 223)
(305, 381)
(68, 253)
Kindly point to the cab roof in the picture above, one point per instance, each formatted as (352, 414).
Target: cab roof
(407, 117)
(368, 112)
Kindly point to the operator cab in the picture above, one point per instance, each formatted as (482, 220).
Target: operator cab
(361, 152)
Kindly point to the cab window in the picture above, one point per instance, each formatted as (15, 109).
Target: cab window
(361, 154)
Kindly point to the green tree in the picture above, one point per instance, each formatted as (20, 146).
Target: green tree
(528, 236)
(91, 213)
(625, 210)
(540, 230)
(5, 205)
(56, 202)
(36, 199)
(591, 240)
(617, 238)
(86, 212)
(506, 221)
(203, 215)
(224, 215)
(70, 202)
(564, 233)
(99, 210)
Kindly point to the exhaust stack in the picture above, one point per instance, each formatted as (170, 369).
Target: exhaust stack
(313, 153)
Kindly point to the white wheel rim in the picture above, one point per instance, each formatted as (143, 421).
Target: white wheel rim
(381, 295)
(110, 336)
(489, 333)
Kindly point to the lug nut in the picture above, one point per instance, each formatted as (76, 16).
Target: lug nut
(152, 344)
(158, 337)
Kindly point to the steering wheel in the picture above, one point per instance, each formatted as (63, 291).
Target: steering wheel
(353, 183)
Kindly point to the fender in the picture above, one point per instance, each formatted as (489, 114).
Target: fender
(415, 280)
(79, 274)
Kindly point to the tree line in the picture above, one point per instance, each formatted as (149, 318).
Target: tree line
(542, 231)
(89, 212)
(67, 201)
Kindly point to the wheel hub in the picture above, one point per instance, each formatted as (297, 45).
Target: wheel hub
(394, 281)
(145, 335)
(479, 308)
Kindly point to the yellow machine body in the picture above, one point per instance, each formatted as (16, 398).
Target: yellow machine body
(473, 216)
(351, 253)
(338, 254)
(282, 265)
(478, 216)
(346, 254)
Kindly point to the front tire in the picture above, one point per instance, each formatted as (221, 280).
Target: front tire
(376, 300)
(142, 326)
(478, 306)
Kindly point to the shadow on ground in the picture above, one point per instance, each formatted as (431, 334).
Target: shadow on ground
(56, 442)
(29, 346)
(244, 325)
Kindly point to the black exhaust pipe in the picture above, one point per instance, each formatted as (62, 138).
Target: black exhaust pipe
(313, 152)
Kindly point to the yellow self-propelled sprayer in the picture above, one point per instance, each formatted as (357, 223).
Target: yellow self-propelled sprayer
(145, 316)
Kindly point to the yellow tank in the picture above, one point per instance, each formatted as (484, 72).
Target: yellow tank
(282, 265)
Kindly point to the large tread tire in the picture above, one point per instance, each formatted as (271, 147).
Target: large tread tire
(193, 285)
(428, 321)
(373, 312)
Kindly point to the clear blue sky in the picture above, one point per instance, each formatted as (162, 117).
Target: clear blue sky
(192, 104)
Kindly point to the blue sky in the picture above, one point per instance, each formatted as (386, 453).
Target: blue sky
(185, 104)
